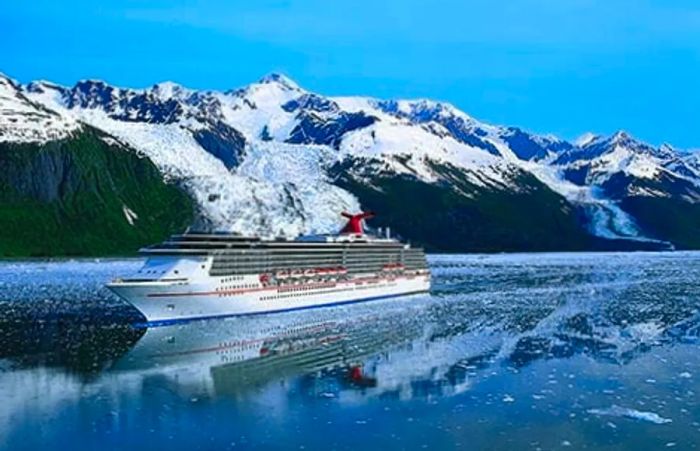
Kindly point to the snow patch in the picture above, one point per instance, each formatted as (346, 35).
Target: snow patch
(129, 214)
(585, 139)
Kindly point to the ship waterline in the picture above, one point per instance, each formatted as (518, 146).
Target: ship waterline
(198, 275)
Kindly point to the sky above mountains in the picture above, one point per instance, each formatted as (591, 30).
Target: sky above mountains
(546, 65)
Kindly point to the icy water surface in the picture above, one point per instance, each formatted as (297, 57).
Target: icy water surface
(553, 351)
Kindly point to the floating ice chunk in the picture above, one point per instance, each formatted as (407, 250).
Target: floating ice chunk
(617, 411)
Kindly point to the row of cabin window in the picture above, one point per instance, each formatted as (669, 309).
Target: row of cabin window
(238, 349)
(267, 298)
(237, 287)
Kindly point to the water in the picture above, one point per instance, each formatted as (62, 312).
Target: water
(553, 351)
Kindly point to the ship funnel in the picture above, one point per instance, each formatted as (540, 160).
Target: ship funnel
(354, 224)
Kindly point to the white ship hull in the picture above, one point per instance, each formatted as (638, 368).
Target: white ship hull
(162, 301)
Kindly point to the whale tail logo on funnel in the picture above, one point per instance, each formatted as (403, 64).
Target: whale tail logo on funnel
(354, 224)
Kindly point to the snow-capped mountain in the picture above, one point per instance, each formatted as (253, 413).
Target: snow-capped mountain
(272, 158)
(24, 120)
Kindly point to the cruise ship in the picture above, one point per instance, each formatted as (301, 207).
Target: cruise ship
(206, 275)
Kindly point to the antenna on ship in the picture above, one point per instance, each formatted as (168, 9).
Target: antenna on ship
(354, 224)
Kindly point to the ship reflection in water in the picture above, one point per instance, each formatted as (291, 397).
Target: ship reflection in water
(233, 357)
(524, 352)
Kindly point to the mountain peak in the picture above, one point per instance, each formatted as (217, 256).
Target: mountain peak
(666, 147)
(280, 79)
(168, 89)
(46, 83)
(436, 106)
(7, 81)
(91, 82)
(422, 110)
(621, 136)
(41, 86)
(623, 140)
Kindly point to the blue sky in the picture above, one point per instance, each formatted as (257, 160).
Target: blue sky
(550, 66)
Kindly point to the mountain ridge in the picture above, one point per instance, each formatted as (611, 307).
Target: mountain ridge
(264, 159)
